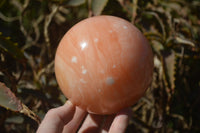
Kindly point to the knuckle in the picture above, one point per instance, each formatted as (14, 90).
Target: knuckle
(51, 112)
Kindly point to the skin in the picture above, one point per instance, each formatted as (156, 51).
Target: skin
(71, 119)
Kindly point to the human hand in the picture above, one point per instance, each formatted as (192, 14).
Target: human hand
(68, 119)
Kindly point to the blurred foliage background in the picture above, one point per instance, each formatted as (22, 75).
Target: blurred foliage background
(30, 33)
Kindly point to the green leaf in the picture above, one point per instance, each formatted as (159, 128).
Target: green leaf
(169, 62)
(75, 2)
(184, 41)
(15, 119)
(12, 48)
(8, 99)
(98, 6)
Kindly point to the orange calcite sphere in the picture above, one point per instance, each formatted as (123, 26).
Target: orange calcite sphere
(103, 64)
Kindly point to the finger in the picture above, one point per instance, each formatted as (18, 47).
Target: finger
(120, 122)
(92, 124)
(74, 124)
(107, 123)
(56, 118)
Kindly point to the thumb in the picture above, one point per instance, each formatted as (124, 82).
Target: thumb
(55, 119)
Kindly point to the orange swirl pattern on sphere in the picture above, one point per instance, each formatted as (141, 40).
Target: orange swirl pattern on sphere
(104, 64)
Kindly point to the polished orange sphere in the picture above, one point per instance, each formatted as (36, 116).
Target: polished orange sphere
(104, 64)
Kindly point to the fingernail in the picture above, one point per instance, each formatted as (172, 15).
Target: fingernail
(68, 102)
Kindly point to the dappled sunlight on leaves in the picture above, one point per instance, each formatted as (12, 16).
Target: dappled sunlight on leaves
(31, 30)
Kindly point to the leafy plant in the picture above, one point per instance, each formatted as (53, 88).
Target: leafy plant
(171, 103)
